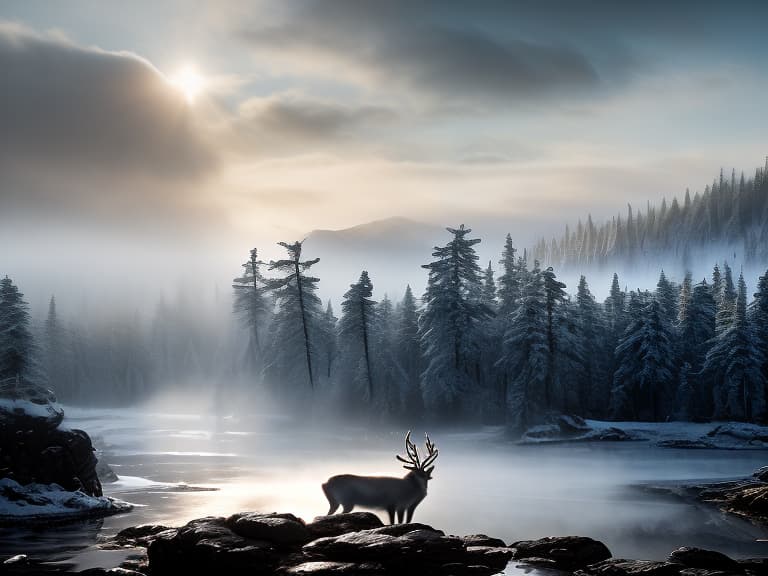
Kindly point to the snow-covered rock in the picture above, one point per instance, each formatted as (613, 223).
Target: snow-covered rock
(713, 435)
(26, 405)
(50, 502)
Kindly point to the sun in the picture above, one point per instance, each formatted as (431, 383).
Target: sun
(189, 82)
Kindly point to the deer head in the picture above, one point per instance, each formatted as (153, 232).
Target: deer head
(412, 461)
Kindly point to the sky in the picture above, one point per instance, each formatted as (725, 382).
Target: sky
(148, 140)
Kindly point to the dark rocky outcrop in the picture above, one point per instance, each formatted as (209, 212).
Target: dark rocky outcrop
(34, 449)
(339, 524)
(253, 543)
(747, 497)
(699, 558)
(621, 567)
(565, 552)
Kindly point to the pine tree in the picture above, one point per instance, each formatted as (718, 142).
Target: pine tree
(294, 328)
(735, 363)
(667, 295)
(614, 308)
(726, 305)
(554, 296)
(525, 356)
(759, 321)
(510, 282)
(645, 364)
(57, 357)
(355, 329)
(389, 373)
(252, 305)
(447, 326)
(328, 344)
(488, 296)
(409, 354)
(17, 349)
(590, 333)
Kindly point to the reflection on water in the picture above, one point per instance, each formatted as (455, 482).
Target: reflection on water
(482, 484)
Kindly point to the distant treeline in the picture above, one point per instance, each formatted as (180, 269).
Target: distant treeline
(478, 347)
(730, 210)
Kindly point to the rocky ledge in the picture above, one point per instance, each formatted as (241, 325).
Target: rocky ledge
(47, 473)
(747, 497)
(359, 544)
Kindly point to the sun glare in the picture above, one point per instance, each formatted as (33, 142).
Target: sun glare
(189, 82)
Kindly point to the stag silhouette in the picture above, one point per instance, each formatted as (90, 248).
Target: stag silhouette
(395, 495)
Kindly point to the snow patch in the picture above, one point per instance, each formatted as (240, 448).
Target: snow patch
(18, 406)
(50, 502)
(718, 435)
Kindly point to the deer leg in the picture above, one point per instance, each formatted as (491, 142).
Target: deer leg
(400, 514)
(391, 512)
(347, 508)
(410, 513)
(334, 504)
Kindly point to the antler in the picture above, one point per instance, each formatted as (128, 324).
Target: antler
(413, 462)
(431, 453)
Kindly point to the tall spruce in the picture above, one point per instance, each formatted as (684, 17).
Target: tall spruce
(409, 354)
(447, 326)
(355, 331)
(294, 327)
(488, 296)
(592, 382)
(510, 281)
(17, 348)
(645, 364)
(759, 321)
(525, 356)
(252, 305)
(735, 363)
(554, 297)
(57, 356)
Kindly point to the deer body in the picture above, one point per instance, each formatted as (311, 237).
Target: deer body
(395, 495)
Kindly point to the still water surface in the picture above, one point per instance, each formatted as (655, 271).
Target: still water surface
(482, 483)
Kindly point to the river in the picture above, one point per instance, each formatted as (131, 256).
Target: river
(481, 483)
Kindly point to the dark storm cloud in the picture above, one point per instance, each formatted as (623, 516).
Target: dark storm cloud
(90, 110)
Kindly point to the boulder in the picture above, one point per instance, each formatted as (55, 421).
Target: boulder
(32, 447)
(620, 567)
(333, 569)
(207, 545)
(751, 500)
(611, 434)
(339, 524)
(418, 551)
(700, 558)
(279, 529)
(568, 552)
(483, 540)
(24, 405)
(761, 474)
(140, 535)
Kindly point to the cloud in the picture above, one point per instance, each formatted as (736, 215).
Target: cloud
(448, 52)
(289, 123)
(95, 138)
(87, 109)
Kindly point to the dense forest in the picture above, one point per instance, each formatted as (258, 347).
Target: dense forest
(478, 346)
(731, 211)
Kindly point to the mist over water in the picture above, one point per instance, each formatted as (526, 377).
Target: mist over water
(482, 483)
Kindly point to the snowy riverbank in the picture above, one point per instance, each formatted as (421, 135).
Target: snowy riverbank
(50, 503)
(717, 435)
